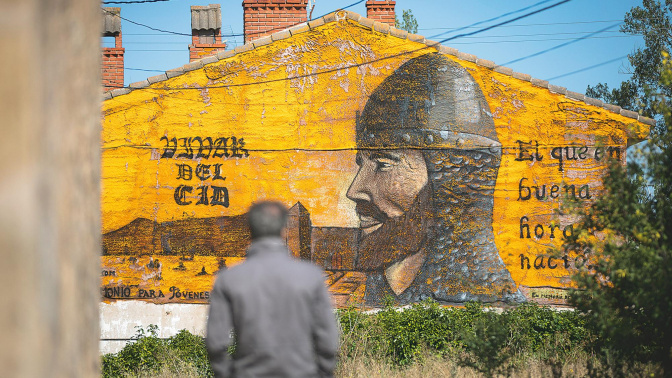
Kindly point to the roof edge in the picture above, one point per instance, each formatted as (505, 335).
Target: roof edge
(381, 28)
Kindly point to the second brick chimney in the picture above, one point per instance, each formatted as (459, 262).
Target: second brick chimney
(113, 57)
(206, 31)
(265, 17)
(381, 11)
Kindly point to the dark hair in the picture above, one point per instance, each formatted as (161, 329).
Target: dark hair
(266, 218)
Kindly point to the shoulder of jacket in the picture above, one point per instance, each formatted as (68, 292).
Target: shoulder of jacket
(313, 270)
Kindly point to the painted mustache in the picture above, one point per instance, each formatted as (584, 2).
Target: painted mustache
(369, 214)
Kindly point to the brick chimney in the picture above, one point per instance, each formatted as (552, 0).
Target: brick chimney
(265, 17)
(206, 31)
(113, 57)
(381, 10)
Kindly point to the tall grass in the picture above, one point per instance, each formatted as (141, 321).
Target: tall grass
(425, 340)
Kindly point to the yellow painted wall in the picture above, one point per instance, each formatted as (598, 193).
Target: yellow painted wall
(299, 132)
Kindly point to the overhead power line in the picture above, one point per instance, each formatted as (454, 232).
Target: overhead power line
(143, 69)
(465, 27)
(472, 37)
(541, 40)
(492, 19)
(588, 68)
(525, 25)
(146, 26)
(434, 45)
(223, 35)
(561, 45)
(452, 44)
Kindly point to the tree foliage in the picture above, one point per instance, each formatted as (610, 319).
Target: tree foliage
(652, 20)
(408, 22)
(626, 291)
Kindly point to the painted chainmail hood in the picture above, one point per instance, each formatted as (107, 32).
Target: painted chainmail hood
(432, 103)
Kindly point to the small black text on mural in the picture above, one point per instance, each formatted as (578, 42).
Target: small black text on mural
(200, 148)
(134, 292)
(530, 190)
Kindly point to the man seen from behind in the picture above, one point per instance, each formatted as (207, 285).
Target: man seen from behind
(277, 307)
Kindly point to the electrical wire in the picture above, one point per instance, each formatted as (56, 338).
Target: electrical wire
(146, 26)
(491, 19)
(454, 43)
(142, 69)
(433, 45)
(224, 35)
(472, 37)
(465, 27)
(541, 40)
(588, 68)
(560, 45)
(525, 25)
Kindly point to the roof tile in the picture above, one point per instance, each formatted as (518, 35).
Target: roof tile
(381, 27)
(629, 113)
(366, 22)
(120, 91)
(316, 22)
(539, 82)
(353, 16)
(225, 54)
(415, 37)
(613, 108)
(243, 48)
(485, 63)
(330, 17)
(576, 96)
(504, 70)
(467, 57)
(300, 28)
(557, 89)
(281, 35)
(174, 72)
(157, 78)
(448, 50)
(196, 64)
(209, 59)
(262, 41)
(647, 120)
(139, 84)
(398, 33)
(522, 76)
(593, 101)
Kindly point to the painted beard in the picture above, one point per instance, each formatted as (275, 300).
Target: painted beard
(398, 237)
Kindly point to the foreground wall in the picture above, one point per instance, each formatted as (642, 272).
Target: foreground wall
(50, 188)
(410, 173)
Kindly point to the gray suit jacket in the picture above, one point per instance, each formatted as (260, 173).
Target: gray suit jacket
(280, 312)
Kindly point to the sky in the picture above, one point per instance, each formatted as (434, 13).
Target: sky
(588, 29)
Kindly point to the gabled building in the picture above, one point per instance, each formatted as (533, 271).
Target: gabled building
(415, 170)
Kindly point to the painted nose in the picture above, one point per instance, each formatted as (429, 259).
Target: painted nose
(359, 188)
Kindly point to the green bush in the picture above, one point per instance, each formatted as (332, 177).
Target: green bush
(147, 354)
(492, 339)
(487, 345)
(473, 335)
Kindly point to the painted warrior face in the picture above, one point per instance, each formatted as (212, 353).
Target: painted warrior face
(387, 183)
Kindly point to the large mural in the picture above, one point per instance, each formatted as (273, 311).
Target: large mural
(410, 173)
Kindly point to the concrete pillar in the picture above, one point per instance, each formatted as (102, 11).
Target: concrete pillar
(49, 191)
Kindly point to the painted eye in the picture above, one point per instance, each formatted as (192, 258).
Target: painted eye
(383, 165)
